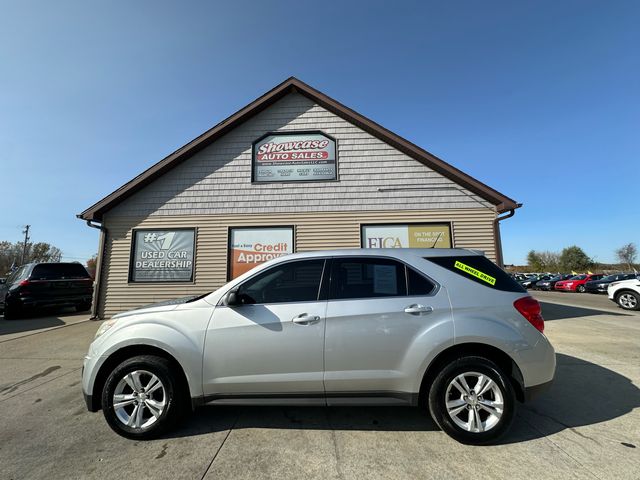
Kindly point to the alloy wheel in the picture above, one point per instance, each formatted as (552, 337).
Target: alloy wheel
(628, 301)
(474, 402)
(139, 399)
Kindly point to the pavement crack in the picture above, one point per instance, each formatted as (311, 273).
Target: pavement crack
(335, 444)
(568, 427)
(550, 440)
(224, 440)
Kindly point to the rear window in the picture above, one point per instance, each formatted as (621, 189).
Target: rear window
(55, 271)
(479, 269)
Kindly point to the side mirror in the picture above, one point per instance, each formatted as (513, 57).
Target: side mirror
(232, 298)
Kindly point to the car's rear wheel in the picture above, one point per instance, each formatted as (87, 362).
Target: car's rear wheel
(83, 307)
(472, 401)
(628, 300)
(141, 397)
(580, 289)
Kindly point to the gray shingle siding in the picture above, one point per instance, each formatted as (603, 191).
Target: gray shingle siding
(217, 180)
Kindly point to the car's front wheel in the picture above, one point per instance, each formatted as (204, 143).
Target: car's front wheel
(141, 397)
(580, 289)
(11, 311)
(628, 300)
(472, 401)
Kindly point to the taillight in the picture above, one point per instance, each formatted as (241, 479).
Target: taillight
(530, 309)
(24, 283)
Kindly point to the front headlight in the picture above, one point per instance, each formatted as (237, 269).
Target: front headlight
(104, 327)
(569, 284)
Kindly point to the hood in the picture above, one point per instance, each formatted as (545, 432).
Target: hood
(165, 306)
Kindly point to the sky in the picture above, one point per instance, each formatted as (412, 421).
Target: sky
(540, 100)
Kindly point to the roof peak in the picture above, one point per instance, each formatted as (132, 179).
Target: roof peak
(95, 212)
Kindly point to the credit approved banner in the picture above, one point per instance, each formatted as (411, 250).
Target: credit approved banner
(249, 247)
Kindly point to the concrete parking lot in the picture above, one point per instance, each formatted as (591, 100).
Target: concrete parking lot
(586, 426)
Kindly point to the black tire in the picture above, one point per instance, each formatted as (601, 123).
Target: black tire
(623, 300)
(580, 289)
(438, 392)
(173, 396)
(83, 307)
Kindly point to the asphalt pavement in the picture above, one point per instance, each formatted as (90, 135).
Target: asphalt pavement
(586, 426)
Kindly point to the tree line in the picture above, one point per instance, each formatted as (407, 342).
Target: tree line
(573, 258)
(11, 254)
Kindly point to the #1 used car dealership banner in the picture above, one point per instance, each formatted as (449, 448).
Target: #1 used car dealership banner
(249, 247)
(426, 235)
(162, 256)
(294, 157)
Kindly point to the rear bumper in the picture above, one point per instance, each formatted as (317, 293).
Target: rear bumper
(533, 392)
(35, 302)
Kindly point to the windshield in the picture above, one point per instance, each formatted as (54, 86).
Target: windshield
(578, 277)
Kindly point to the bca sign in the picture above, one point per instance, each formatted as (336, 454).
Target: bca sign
(294, 157)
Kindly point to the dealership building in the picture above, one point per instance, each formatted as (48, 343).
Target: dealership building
(293, 171)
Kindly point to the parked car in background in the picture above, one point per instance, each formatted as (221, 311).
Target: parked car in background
(576, 283)
(38, 285)
(550, 283)
(625, 293)
(600, 286)
(341, 327)
(531, 281)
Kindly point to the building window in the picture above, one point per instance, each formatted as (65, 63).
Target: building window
(250, 246)
(412, 235)
(162, 255)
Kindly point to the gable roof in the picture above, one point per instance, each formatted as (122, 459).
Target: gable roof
(292, 84)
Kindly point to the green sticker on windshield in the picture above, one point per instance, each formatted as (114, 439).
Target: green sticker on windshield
(476, 273)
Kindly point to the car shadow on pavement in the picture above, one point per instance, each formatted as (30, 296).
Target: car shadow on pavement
(554, 311)
(582, 394)
(43, 319)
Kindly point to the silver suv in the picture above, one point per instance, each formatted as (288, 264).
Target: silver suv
(443, 329)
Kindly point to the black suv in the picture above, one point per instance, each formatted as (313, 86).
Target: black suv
(37, 285)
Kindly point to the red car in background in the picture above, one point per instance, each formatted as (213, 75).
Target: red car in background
(576, 284)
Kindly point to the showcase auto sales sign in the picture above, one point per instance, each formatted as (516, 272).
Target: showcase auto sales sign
(294, 157)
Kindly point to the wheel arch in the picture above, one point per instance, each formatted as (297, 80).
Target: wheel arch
(125, 353)
(502, 359)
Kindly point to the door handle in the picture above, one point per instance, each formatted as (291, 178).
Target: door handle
(305, 319)
(417, 309)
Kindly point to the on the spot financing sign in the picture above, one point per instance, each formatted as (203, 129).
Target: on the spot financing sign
(249, 247)
(427, 235)
(294, 157)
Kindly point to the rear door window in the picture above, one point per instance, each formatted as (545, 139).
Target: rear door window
(479, 269)
(418, 284)
(58, 271)
(367, 278)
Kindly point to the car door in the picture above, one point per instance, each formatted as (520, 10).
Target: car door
(271, 342)
(377, 309)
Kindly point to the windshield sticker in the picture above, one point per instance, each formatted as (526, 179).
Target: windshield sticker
(476, 273)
